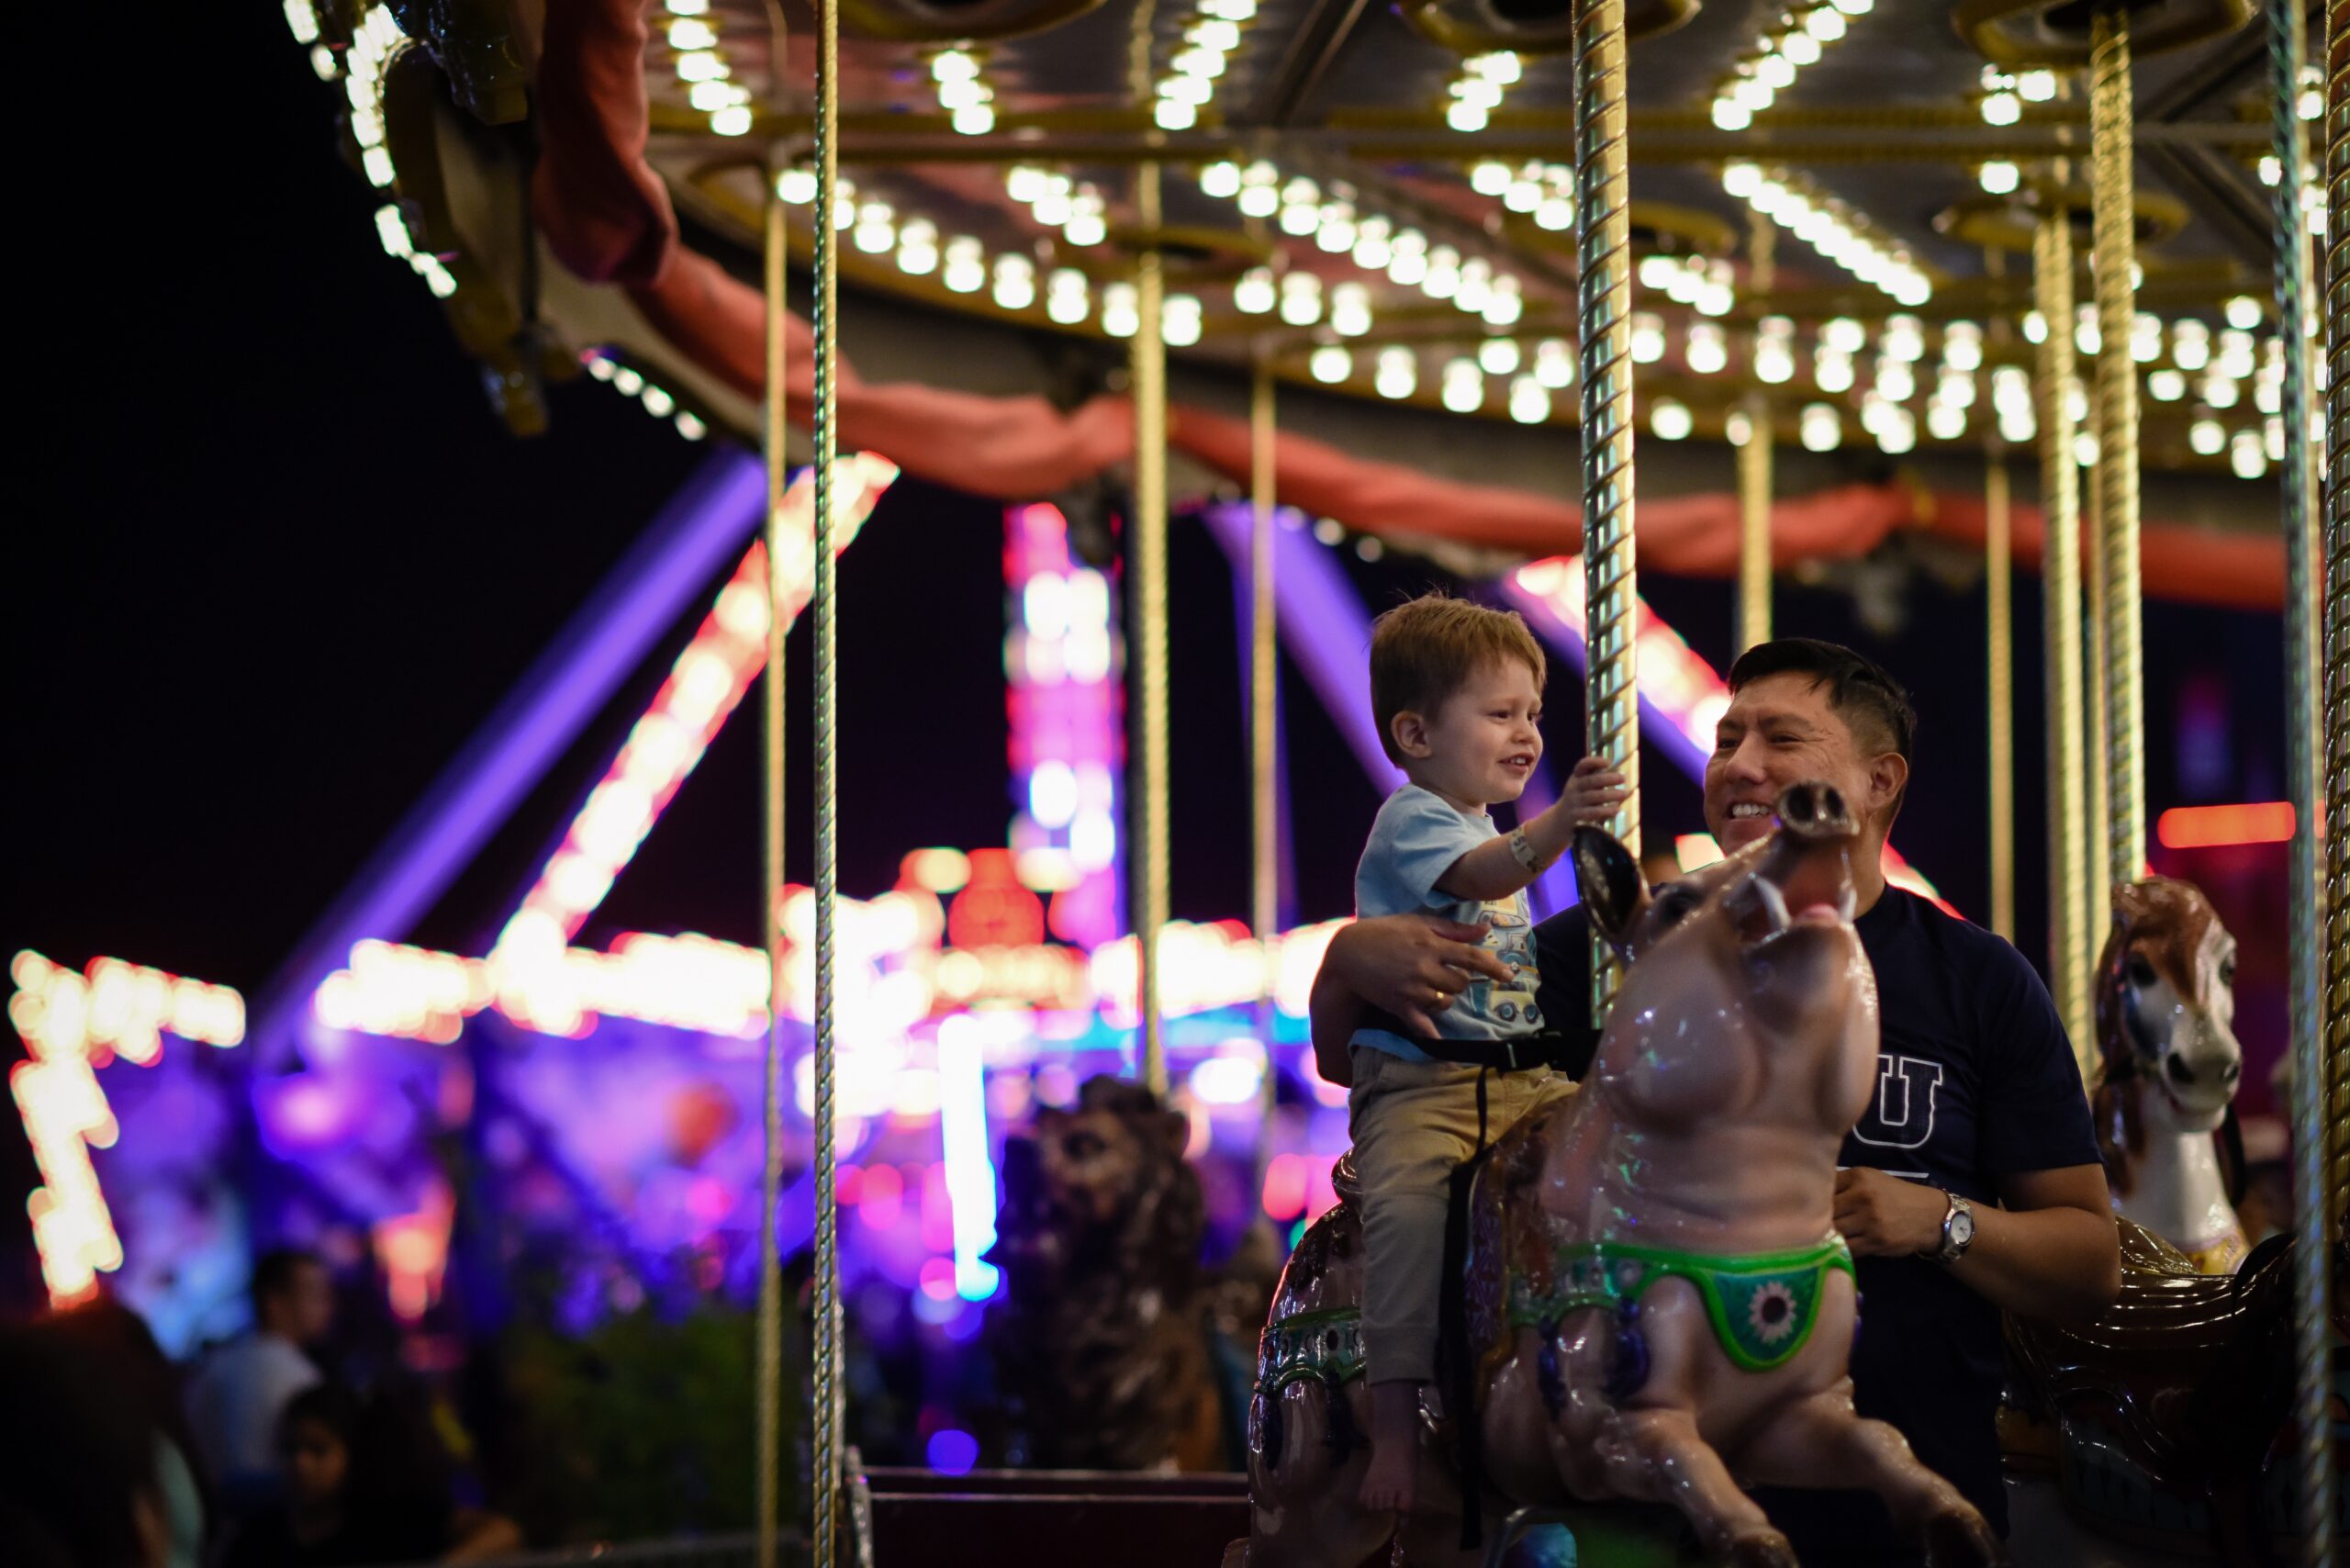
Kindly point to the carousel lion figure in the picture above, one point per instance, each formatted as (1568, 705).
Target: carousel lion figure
(1114, 1348)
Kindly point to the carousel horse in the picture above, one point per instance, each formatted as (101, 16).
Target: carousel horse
(1113, 1347)
(2166, 1035)
(1652, 1297)
(2166, 1420)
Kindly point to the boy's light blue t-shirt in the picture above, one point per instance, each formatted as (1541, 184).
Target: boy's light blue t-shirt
(1415, 839)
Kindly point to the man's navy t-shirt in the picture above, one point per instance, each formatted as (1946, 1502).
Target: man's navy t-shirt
(1975, 1082)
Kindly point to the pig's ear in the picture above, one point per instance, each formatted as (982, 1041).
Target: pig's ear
(1610, 881)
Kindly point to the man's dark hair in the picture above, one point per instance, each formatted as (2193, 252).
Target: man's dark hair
(1871, 703)
(276, 1270)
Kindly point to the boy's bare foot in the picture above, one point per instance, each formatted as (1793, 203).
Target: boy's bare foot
(1395, 1448)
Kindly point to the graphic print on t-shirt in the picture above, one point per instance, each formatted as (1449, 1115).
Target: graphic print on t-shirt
(1510, 937)
(1901, 1113)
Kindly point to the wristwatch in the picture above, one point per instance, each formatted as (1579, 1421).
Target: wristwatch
(1958, 1230)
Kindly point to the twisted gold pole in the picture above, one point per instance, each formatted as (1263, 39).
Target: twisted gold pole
(2000, 618)
(2097, 878)
(827, 1384)
(1604, 250)
(2334, 642)
(2113, 152)
(2061, 633)
(769, 1348)
(1755, 476)
(2312, 1206)
(1148, 555)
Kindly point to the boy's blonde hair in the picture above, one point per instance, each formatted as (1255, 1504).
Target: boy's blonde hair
(1426, 649)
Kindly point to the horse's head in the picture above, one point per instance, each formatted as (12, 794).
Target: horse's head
(1760, 943)
(1099, 1191)
(2166, 1002)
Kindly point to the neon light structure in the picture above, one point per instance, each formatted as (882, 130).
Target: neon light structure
(1062, 658)
(72, 1025)
(706, 683)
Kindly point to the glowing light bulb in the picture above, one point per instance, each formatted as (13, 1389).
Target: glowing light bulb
(1670, 419)
(2244, 312)
(1647, 337)
(1998, 177)
(1490, 178)
(1530, 403)
(1350, 309)
(1498, 356)
(1708, 352)
(1331, 362)
(1253, 293)
(1221, 180)
(1555, 364)
(1464, 387)
(1398, 375)
(1179, 320)
(1120, 316)
(1819, 429)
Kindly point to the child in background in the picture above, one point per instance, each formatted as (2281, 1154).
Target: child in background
(1457, 689)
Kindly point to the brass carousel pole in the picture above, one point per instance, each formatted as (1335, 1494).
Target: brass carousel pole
(824, 1417)
(1146, 552)
(2312, 1206)
(1603, 252)
(2116, 259)
(2097, 878)
(1999, 579)
(2335, 639)
(1754, 481)
(2112, 151)
(1264, 733)
(769, 1349)
(1999, 628)
(2061, 626)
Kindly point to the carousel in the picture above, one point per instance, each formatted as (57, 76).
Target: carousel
(1325, 278)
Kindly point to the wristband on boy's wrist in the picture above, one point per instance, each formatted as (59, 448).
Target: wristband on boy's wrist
(1522, 847)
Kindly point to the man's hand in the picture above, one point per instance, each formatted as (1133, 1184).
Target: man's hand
(1885, 1217)
(1409, 965)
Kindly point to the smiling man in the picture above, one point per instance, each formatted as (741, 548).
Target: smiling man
(1972, 1183)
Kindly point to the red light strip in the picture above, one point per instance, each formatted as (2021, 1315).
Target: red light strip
(2216, 827)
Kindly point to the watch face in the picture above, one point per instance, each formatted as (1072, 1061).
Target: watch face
(1962, 1229)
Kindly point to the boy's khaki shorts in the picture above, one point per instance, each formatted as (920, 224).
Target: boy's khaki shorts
(1412, 1122)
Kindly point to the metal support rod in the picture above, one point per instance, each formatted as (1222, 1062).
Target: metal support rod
(1147, 559)
(824, 1417)
(2097, 781)
(1264, 733)
(2112, 153)
(1754, 528)
(2334, 642)
(1999, 576)
(2060, 633)
(768, 1355)
(1604, 250)
(1754, 482)
(2288, 45)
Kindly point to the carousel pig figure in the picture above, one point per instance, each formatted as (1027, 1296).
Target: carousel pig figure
(1654, 1304)
(2169, 1066)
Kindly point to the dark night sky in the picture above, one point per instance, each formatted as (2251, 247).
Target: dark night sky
(280, 558)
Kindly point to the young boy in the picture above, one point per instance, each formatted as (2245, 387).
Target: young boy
(1457, 689)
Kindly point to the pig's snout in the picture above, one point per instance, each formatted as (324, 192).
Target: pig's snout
(1816, 812)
